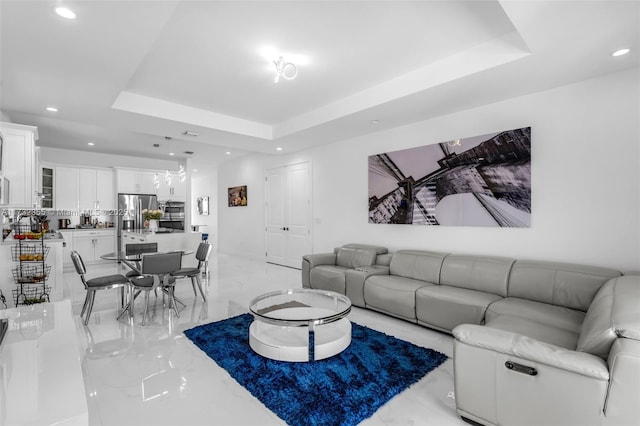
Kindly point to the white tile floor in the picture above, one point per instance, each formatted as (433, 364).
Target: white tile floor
(153, 375)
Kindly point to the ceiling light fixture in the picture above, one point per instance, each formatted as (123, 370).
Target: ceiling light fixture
(172, 154)
(455, 142)
(190, 133)
(156, 181)
(279, 148)
(168, 178)
(65, 12)
(621, 52)
(52, 109)
(286, 70)
(228, 152)
(182, 174)
(90, 143)
(375, 121)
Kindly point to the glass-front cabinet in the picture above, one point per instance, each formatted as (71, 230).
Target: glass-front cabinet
(47, 188)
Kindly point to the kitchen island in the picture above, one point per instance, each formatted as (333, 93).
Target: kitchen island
(169, 241)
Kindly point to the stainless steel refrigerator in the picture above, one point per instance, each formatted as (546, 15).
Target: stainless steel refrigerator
(130, 208)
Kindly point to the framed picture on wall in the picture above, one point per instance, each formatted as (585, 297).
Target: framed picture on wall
(237, 196)
(477, 181)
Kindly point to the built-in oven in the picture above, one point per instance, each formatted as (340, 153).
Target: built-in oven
(173, 215)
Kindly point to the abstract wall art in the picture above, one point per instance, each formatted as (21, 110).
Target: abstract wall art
(477, 181)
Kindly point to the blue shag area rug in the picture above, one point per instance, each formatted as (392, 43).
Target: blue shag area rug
(342, 390)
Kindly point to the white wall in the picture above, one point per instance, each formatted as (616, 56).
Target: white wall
(204, 183)
(585, 181)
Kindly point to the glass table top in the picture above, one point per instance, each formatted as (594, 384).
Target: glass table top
(298, 307)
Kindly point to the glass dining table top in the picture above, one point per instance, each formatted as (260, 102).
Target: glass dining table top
(120, 255)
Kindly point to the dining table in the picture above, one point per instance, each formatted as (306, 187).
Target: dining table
(133, 261)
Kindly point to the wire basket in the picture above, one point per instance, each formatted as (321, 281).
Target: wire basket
(31, 274)
(28, 295)
(29, 253)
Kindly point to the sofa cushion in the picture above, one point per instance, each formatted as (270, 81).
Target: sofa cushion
(419, 265)
(446, 307)
(393, 295)
(555, 316)
(614, 312)
(483, 273)
(328, 277)
(535, 330)
(355, 257)
(562, 284)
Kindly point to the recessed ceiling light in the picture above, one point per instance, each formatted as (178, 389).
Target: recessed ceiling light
(195, 170)
(171, 153)
(279, 148)
(375, 121)
(620, 52)
(52, 109)
(228, 152)
(90, 143)
(65, 12)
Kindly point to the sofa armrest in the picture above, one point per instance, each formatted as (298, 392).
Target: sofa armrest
(355, 282)
(310, 261)
(320, 259)
(525, 347)
(624, 387)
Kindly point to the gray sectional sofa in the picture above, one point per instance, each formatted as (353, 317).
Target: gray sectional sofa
(536, 342)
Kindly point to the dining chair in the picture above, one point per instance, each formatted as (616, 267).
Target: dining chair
(156, 270)
(202, 254)
(92, 285)
(138, 249)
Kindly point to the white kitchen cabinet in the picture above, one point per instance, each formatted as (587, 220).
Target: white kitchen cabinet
(87, 190)
(95, 190)
(18, 163)
(66, 189)
(136, 181)
(67, 248)
(177, 191)
(105, 193)
(93, 244)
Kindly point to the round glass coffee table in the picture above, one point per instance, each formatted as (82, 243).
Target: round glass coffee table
(300, 325)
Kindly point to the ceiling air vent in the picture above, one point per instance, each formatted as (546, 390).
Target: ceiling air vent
(189, 152)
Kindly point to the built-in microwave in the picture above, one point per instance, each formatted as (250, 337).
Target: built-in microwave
(4, 190)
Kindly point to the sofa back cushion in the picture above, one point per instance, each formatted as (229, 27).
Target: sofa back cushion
(613, 313)
(489, 274)
(562, 284)
(419, 265)
(355, 257)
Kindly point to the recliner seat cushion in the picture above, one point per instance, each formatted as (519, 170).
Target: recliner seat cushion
(615, 311)
(329, 277)
(555, 316)
(393, 295)
(446, 307)
(535, 330)
(355, 257)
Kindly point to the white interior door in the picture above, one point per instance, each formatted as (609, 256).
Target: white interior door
(288, 214)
